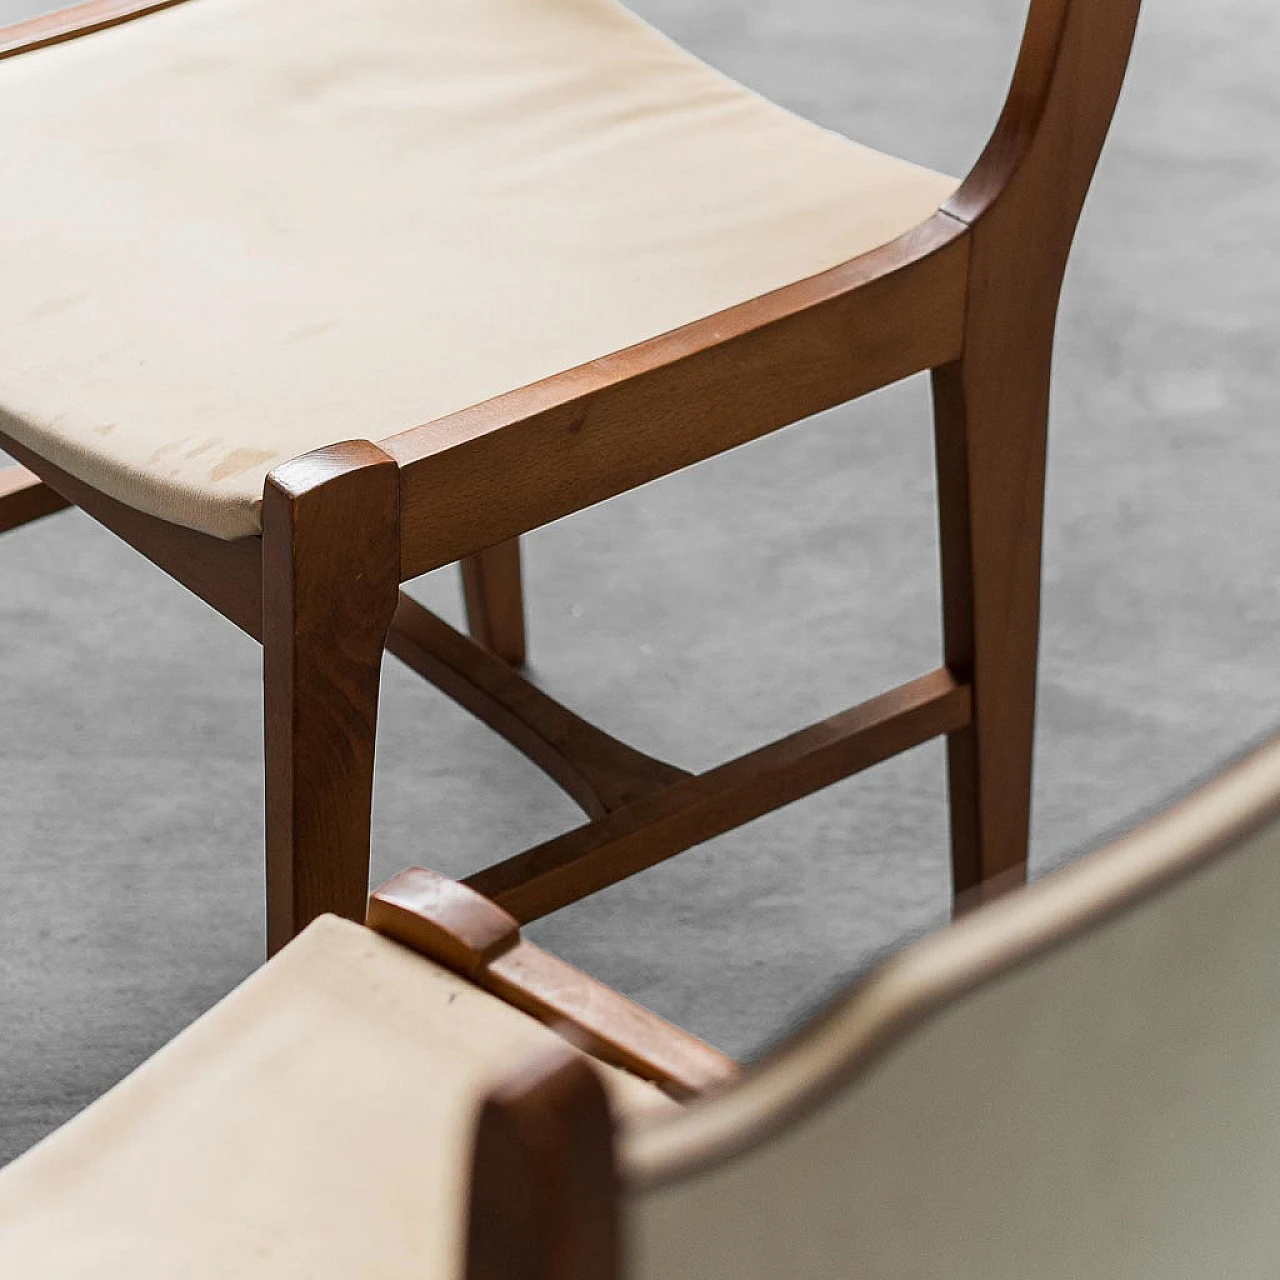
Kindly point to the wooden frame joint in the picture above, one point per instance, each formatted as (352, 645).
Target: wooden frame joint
(24, 497)
(458, 928)
(443, 919)
(658, 826)
(600, 772)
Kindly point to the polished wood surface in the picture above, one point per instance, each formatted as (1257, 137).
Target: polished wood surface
(560, 871)
(494, 599)
(516, 462)
(614, 1029)
(460, 929)
(544, 1194)
(443, 919)
(1022, 202)
(330, 567)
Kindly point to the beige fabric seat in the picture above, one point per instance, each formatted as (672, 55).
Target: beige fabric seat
(315, 1123)
(238, 230)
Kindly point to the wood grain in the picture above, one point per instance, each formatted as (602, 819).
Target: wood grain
(330, 562)
(656, 827)
(442, 919)
(1039, 162)
(597, 770)
(504, 467)
(1022, 203)
(991, 468)
(465, 932)
(609, 1026)
(494, 600)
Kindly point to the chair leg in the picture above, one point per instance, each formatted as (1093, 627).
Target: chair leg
(990, 418)
(331, 551)
(495, 602)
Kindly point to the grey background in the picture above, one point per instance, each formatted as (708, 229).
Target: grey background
(711, 611)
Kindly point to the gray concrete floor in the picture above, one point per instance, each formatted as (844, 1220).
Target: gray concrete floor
(711, 611)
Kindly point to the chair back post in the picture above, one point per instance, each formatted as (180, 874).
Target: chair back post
(1020, 206)
(544, 1190)
(1041, 157)
(1023, 198)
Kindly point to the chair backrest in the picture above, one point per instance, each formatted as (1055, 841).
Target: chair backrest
(1081, 1079)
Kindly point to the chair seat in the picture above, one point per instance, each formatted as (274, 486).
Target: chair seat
(316, 1123)
(238, 230)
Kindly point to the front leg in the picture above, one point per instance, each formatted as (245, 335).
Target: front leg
(331, 577)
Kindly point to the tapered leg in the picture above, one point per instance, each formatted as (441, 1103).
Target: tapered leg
(331, 551)
(991, 414)
(495, 603)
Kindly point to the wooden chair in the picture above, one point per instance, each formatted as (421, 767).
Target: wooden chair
(240, 232)
(1079, 1079)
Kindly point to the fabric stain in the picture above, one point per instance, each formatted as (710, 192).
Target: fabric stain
(309, 331)
(55, 306)
(238, 461)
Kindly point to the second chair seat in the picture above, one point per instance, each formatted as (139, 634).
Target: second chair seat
(240, 230)
(286, 1130)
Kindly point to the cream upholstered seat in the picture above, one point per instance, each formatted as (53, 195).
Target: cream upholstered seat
(238, 230)
(315, 1123)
